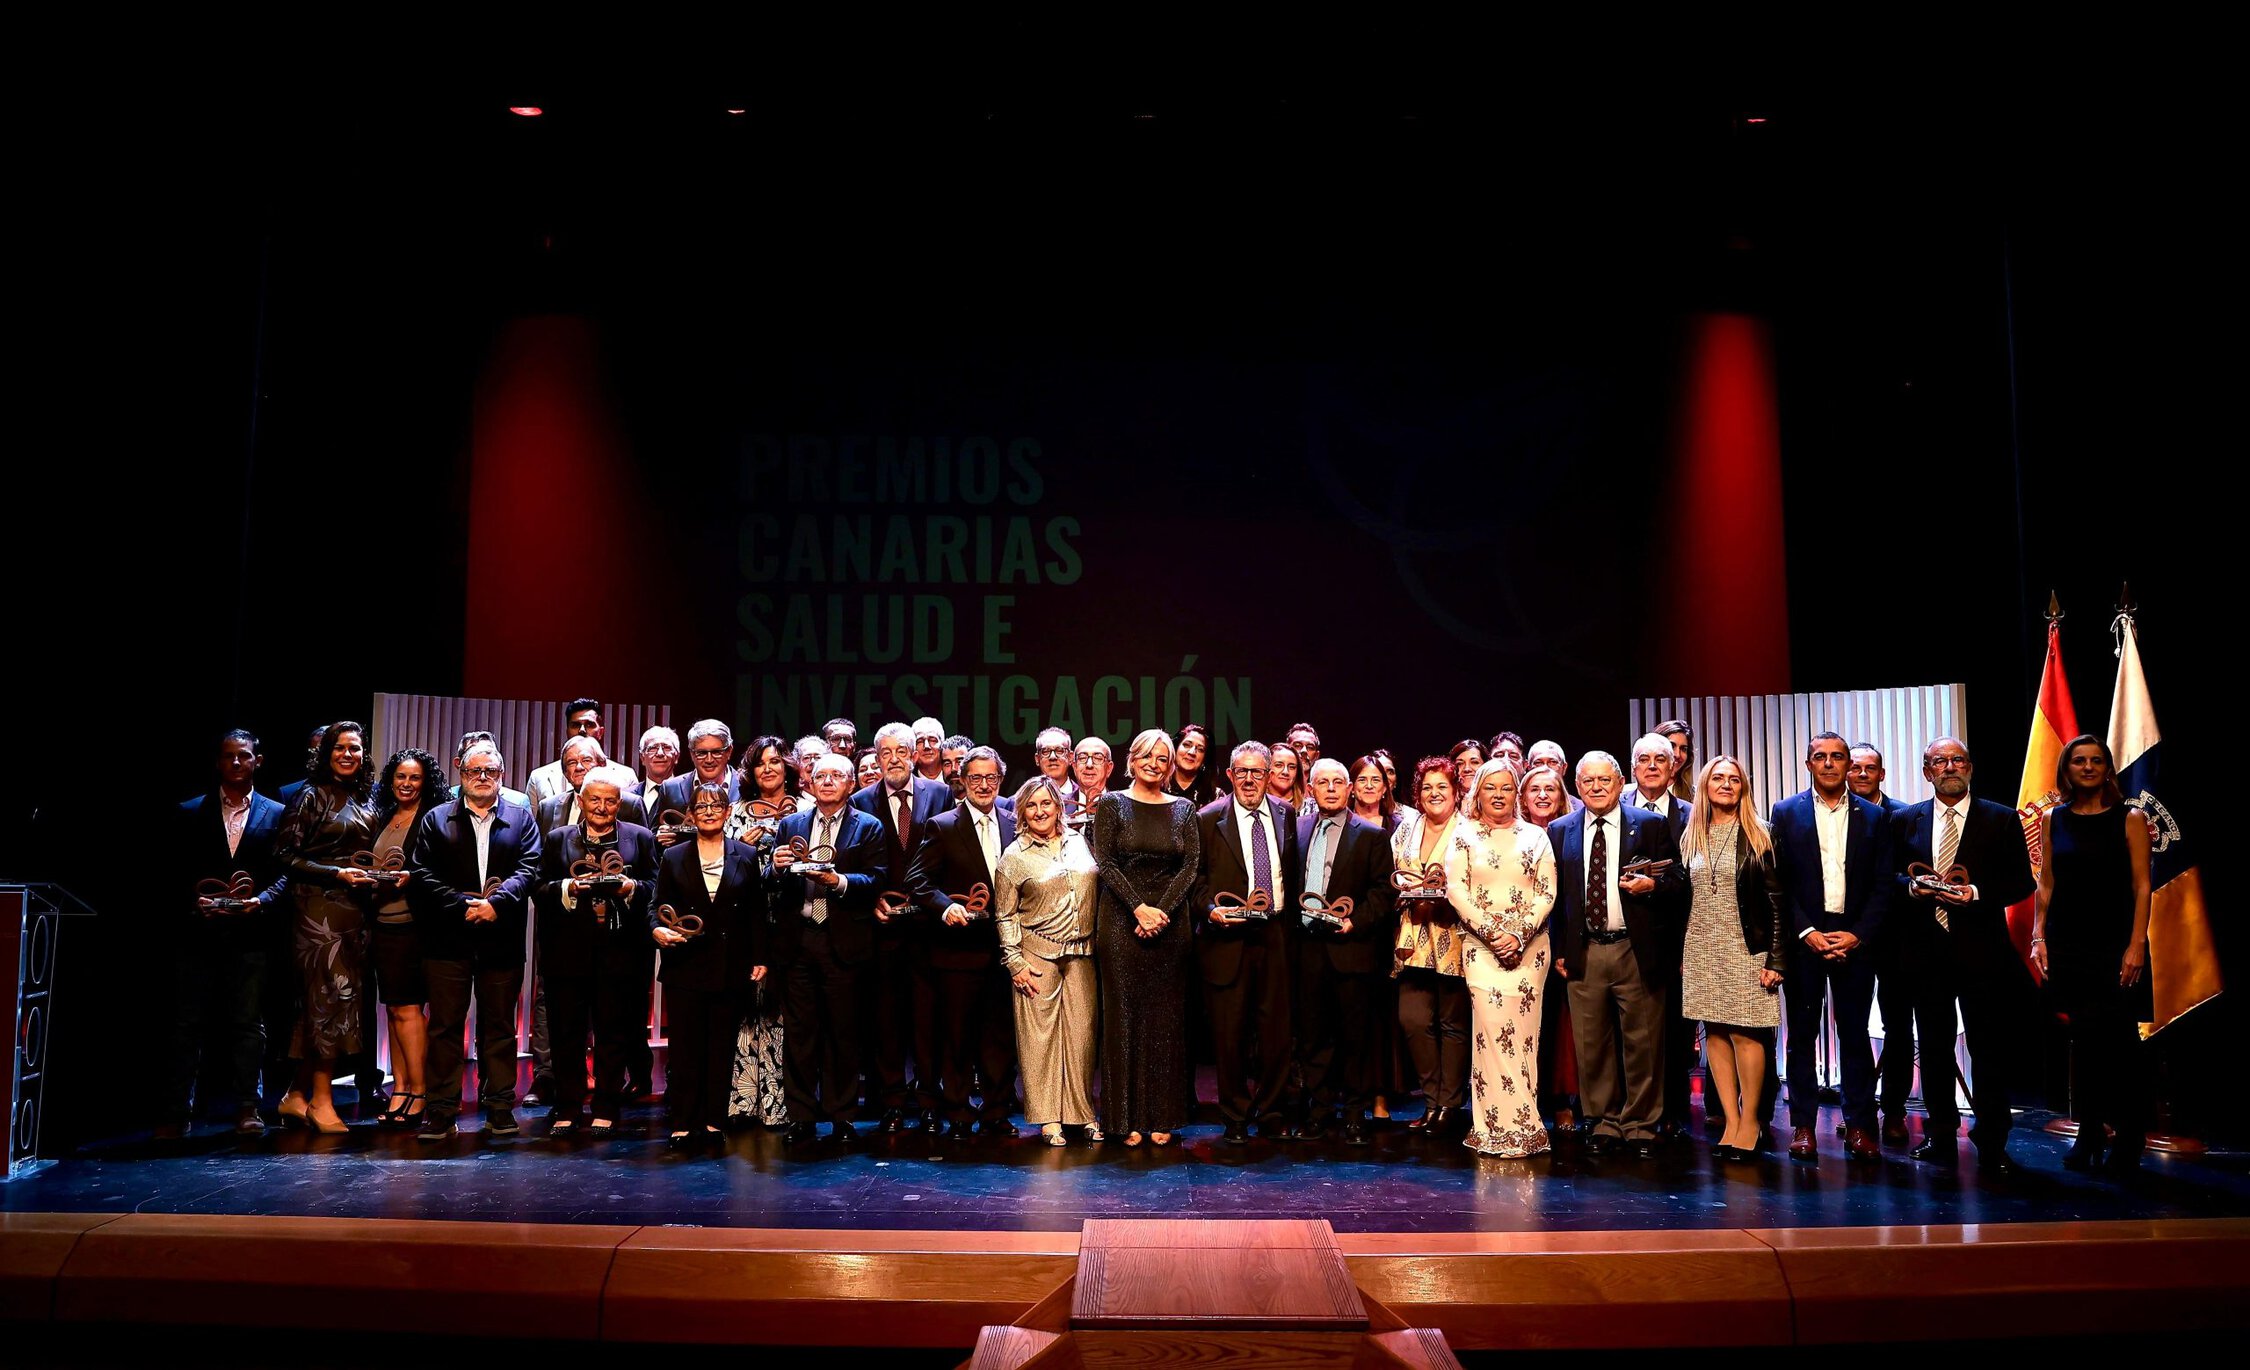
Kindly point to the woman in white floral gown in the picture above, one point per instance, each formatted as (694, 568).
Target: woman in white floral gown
(1500, 874)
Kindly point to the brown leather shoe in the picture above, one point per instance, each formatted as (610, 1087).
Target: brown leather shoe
(1858, 1146)
(1894, 1132)
(1801, 1147)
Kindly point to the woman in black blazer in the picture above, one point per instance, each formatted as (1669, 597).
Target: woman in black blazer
(710, 921)
(593, 896)
(1731, 964)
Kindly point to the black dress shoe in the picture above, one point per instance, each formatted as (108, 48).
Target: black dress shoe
(1310, 1130)
(1939, 1151)
(1645, 1149)
(799, 1134)
(2084, 1155)
(436, 1127)
(1276, 1131)
(1356, 1133)
(892, 1122)
(1601, 1144)
(1720, 1151)
(501, 1122)
(1997, 1163)
(1236, 1134)
(843, 1134)
(929, 1121)
(937, 1129)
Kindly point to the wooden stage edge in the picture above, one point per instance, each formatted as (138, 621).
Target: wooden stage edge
(1722, 1287)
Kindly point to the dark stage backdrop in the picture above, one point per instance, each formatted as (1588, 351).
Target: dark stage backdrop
(1403, 549)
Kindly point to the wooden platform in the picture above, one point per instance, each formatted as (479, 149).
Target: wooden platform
(1744, 1287)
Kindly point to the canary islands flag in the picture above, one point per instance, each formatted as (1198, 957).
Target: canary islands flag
(2183, 963)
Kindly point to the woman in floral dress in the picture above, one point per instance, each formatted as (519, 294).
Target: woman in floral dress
(1500, 877)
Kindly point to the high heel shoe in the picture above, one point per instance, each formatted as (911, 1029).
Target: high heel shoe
(330, 1126)
(402, 1112)
(1053, 1133)
(1094, 1134)
(293, 1117)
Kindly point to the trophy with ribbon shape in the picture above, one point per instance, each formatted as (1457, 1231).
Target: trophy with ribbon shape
(685, 924)
(1325, 913)
(1421, 894)
(1256, 909)
(238, 893)
(388, 869)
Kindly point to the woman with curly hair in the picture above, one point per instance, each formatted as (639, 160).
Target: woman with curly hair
(329, 822)
(769, 794)
(1433, 999)
(413, 782)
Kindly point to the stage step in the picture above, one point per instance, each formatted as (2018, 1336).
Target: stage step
(1171, 1273)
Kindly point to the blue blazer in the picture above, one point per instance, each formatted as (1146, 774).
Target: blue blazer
(851, 910)
(1649, 918)
(1869, 871)
(443, 856)
(931, 798)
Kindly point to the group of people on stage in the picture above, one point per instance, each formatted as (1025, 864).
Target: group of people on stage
(1523, 940)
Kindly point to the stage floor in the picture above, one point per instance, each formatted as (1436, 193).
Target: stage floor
(1400, 1185)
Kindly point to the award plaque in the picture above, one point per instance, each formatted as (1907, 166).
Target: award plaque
(493, 886)
(676, 823)
(1319, 912)
(1954, 884)
(977, 903)
(1421, 895)
(238, 893)
(1257, 908)
(388, 869)
(891, 904)
(765, 816)
(805, 859)
(685, 924)
(604, 875)
(1649, 868)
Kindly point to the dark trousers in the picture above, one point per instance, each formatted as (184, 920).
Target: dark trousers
(612, 999)
(700, 1027)
(496, 991)
(1938, 984)
(1851, 982)
(1894, 995)
(2108, 1074)
(820, 1031)
(1433, 1012)
(905, 1027)
(1250, 1022)
(1337, 1034)
(1621, 1026)
(218, 988)
(976, 1016)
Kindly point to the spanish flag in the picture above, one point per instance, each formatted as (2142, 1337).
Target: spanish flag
(2183, 963)
(2053, 722)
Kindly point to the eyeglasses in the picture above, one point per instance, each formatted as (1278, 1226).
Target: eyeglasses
(1051, 751)
(480, 773)
(1248, 772)
(1089, 756)
(707, 753)
(981, 782)
(708, 806)
(1947, 763)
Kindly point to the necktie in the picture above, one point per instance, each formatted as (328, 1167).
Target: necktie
(1261, 861)
(1597, 879)
(904, 800)
(1649, 804)
(1948, 847)
(817, 905)
(1316, 861)
(991, 848)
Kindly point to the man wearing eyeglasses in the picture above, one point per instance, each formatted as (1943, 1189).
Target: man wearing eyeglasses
(461, 749)
(710, 745)
(1655, 762)
(581, 718)
(1050, 752)
(905, 992)
(929, 749)
(475, 861)
(1834, 850)
(1090, 765)
(976, 1025)
(824, 937)
(1249, 847)
(1955, 947)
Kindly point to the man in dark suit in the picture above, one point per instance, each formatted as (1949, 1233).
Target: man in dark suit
(1894, 996)
(1249, 845)
(1341, 968)
(824, 936)
(904, 990)
(560, 809)
(1615, 946)
(1955, 946)
(1834, 851)
(475, 862)
(710, 746)
(593, 947)
(461, 749)
(219, 949)
(1655, 769)
(976, 1023)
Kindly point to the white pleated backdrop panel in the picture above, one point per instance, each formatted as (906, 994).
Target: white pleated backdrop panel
(530, 734)
(1770, 734)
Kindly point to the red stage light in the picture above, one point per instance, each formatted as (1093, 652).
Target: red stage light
(527, 111)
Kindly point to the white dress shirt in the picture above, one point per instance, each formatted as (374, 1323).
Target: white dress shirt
(1247, 826)
(1938, 809)
(1833, 828)
(1612, 852)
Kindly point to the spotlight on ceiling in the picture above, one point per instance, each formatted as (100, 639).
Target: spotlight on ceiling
(526, 111)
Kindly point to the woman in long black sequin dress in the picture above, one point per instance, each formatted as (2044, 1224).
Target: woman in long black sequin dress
(1147, 848)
